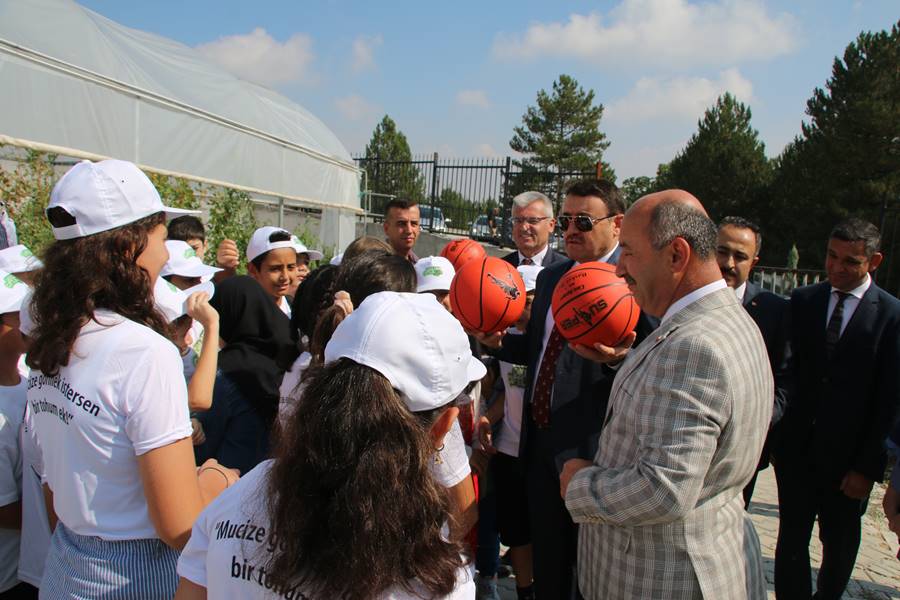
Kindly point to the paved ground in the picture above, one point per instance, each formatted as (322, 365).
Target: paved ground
(877, 572)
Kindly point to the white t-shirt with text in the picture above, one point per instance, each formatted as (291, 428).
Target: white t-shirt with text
(231, 543)
(121, 395)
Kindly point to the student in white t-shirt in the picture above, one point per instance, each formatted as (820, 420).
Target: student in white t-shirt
(107, 394)
(348, 507)
(507, 470)
(12, 411)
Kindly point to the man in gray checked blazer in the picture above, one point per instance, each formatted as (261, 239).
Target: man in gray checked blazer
(660, 510)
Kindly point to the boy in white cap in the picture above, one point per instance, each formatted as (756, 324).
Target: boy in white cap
(184, 269)
(304, 256)
(13, 387)
(272, 262)
(434, 274)
(507, 470)
(19, 261)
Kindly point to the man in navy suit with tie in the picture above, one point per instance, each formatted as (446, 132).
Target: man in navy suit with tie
(737, 252)
(567, 388)
(830, 444)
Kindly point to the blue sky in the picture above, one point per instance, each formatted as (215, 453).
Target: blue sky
(458, 76)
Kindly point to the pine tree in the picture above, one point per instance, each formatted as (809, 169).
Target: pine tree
(388, 165)
(560, 136)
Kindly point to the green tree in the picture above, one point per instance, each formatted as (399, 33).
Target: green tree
(724, 163)
(635, 187)
(176, 192)
(26, 191)
(847, 159)
(388, 165)
(231, 217)
(560, 136)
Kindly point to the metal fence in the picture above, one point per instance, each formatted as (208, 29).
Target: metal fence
(783, 281)
(456, 195)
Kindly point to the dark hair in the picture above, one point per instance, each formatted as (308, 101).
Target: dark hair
(70, 288)
(599, 188)
(742, 223)
(314, 295)
(186, 227)
(401, 203)
(366, 274)
(353, 505)
(363, 244)
(670, 220)
(277, 236)
(858, 230)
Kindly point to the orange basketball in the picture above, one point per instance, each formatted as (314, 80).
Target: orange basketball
(592, 305)
(487, 295)
(459, 252)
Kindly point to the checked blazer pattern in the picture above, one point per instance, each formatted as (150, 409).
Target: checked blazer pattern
(660, 512)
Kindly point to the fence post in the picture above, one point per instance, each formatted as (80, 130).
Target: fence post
(434, 187)
(506, 200)
(281, 212)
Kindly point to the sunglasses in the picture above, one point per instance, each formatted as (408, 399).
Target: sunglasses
(582, 222)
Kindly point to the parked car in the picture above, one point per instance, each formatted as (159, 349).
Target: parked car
(481, 231)
(425, 215)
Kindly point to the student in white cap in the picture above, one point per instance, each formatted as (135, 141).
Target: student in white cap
(506, 469)
(21, 262)
(272, 262)
(108, 395)
(434, 274)
(304, 256)
(348, 508)
(12, 412)
(184, 269)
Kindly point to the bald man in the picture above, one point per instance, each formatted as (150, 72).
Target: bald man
(659, 509)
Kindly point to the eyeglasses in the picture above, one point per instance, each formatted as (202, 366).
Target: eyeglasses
(582, 222)
(529, 220)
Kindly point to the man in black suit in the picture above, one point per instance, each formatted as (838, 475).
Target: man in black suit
(532, 226)
(829, 447)
(737, 252)
(566, 394)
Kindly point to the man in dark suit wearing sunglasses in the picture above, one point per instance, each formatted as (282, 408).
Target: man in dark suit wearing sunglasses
(566, 388)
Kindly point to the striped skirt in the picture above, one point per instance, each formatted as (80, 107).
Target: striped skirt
(88, 567)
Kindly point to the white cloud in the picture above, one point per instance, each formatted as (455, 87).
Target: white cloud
(363, 51)
(659, 32)
(260, 58)
(355, 107)
(477, 98)
(653, 98)
(485, 149)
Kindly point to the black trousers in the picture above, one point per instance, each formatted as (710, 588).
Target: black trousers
(553, 533)
(800, 500)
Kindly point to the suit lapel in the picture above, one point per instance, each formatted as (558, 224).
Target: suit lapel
(862, 323)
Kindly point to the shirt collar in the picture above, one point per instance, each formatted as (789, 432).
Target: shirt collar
(739, 291)
(538, 258)
(857, 292)
(605, 257)
(692, 297)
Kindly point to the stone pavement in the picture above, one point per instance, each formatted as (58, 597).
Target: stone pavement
(877, 572)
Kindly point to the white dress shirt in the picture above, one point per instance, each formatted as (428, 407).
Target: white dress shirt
(692, 297)
(739, 291)
(850, 303)
(537, 259)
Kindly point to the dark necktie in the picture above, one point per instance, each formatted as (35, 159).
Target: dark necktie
(526, 261)
(833, 331)
(543, 383)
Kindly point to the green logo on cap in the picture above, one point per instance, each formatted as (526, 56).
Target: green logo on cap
(11, 281)
(26, 253)
(435, 271)
(189, 253)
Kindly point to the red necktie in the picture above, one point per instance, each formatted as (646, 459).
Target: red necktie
(543, 383)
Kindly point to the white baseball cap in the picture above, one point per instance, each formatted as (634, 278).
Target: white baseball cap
(529, 275)
(105, 195)
(259, 242)
(433, 273)
(184, 262)
(18, 259)
(414, 342)
(336, 259)
(13, 293)
(302, 249)
(172, 302)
